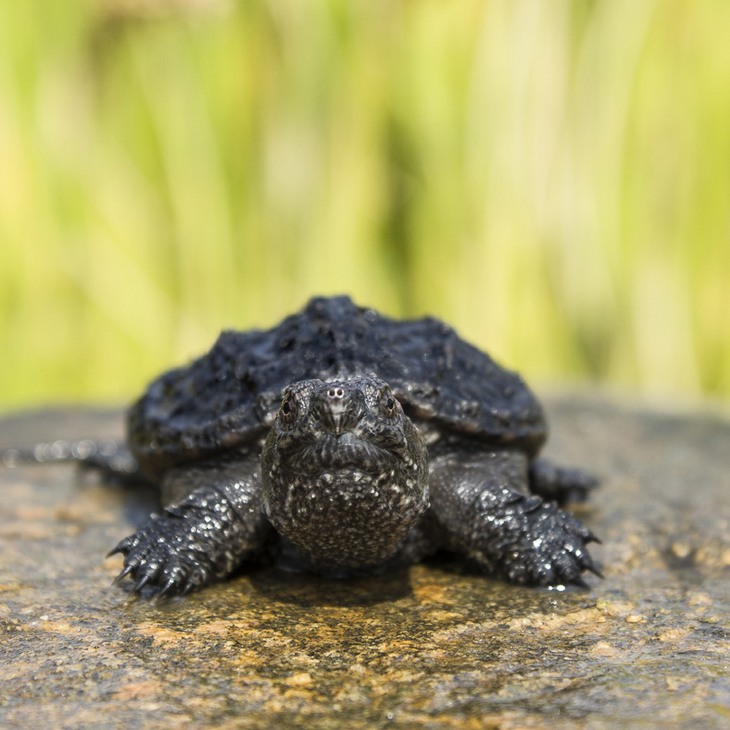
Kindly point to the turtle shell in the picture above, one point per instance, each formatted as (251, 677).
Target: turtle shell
(230, 395)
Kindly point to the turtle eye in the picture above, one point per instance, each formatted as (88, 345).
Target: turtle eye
(288, 410)
(388, 403)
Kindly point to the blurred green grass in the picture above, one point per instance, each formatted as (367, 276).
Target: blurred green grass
(553, 178)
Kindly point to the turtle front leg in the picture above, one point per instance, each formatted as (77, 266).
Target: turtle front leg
(479, 507)
(214, 520)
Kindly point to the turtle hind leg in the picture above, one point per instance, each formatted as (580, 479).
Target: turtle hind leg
(560, 484)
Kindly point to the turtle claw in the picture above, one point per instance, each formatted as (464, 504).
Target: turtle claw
(141, 583)
(154, 558)
(551, 547)
(127, 570)
(594, 570)
(168, 589)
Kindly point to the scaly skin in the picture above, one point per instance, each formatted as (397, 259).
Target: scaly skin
(343, 481)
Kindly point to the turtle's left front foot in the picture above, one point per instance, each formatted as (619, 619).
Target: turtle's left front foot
(547, 546)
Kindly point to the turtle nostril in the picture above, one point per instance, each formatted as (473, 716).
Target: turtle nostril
(336, 393)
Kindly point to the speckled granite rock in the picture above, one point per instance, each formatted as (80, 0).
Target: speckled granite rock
(432, 647)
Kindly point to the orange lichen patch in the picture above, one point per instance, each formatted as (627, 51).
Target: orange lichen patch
(139, 690)
(699, 600)
(113, 563)
(430, 593)
(33, 512)
(33, 531)
(673, 684)
(616, 608)
(454, 632)
(552, 621)
(158, 633)
(300, 679)
(681, 549)
(218, 628)
(604, 649)
(445, 616)
(56, 627)
(673, 635)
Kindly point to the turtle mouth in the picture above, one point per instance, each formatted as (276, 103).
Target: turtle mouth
(339, 451)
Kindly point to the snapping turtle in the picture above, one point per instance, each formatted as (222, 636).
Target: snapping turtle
(345, 442)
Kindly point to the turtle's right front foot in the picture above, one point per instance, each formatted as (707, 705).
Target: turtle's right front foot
(195, 542)
(165, 556)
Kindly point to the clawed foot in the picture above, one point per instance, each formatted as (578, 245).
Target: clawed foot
(163, 558)
(551, 551)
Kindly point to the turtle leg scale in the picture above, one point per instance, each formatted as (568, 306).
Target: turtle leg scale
(481, 507)
(203, 536)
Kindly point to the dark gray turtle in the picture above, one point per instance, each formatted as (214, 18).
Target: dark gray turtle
(344, 442)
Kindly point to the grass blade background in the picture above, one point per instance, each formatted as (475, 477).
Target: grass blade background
(553, 178)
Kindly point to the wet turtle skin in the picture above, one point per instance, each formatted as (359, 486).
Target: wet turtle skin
(345, 442)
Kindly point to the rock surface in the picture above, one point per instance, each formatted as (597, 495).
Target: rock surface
(431, 647)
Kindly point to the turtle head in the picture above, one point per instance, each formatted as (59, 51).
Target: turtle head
(344, 472)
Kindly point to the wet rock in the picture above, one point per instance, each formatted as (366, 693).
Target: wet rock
(434, 646)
